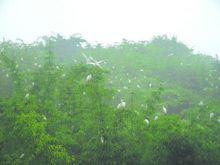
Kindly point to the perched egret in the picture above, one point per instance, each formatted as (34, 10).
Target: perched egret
(121, 105)
(201, 103)
(125, 87)
(89, 77)
(211, 115)
(155, 117)
(102, 139)
(44, 117)
(147, 121)
(27, 95)
(150, 85)
(2, 50)
(138, 86)
(21, 156)
(164, 109)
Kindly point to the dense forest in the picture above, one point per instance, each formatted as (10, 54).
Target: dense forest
(66, 101)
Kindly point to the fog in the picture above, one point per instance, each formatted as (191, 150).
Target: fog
(194, 22)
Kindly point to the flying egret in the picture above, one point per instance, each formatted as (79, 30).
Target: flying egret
(91, 61)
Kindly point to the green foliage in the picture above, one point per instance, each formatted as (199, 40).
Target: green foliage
(57, 111)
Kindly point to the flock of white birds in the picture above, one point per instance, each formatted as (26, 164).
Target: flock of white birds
(122, 104)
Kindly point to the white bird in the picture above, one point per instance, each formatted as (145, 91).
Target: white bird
(27, 95)
(121, 105)
(211, 115)
(155, 117)
(164, 109)
(44, 117)
(138, 86)
(150, 85)
(141, 70)
(147, 121)
(201, 103)
(22, 59)
(125, 87)
(89, 77)
(129, 81)
(2, 50)
(91, 61)
(21, 156)
(102, 139)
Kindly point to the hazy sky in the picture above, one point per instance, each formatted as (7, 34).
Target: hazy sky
(194, 22)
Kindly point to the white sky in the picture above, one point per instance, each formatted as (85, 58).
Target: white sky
(194, 22)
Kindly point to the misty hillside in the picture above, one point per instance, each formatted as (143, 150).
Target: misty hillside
(66, 101)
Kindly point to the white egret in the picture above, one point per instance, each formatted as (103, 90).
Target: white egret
(91, 61)
(21, 156)
(164, 109)
(147, 121)
(27, 95)
(201, 103)
(121, 105)
(211, 115)
(89, 77)
(102, 139)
